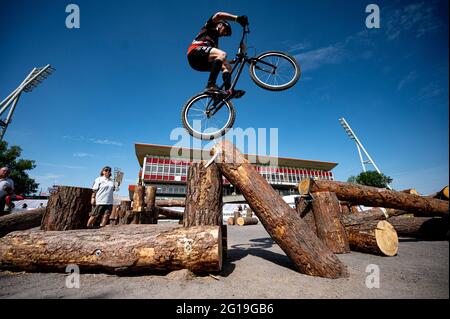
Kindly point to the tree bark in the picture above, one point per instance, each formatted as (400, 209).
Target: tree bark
(21, 220)
(125, 205)
(114, 217)
(133, 248)
(170, 202)
(295, 238)
(376, 197)
(330, 230)
(375, 237)
(433, 228)
(304, 209)
(204, 205)
(203, 196)
(148, 215)
(242, 221)
(67, 208)
(138, 198)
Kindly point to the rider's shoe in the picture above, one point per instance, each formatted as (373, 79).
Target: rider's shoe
(212, 89)
(235, 94)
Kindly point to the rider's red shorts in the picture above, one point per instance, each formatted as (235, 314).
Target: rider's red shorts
(198, 56)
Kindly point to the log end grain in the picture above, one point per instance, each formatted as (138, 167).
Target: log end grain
(386, 238)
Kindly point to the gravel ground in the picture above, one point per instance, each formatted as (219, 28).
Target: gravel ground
(258, 268)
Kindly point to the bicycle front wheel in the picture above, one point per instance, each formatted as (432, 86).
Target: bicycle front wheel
(275, 71)
(201, 122)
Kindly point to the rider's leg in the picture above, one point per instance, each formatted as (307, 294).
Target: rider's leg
(226, 75)
(217, 58)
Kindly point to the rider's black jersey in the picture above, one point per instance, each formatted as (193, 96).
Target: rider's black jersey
(208, 35)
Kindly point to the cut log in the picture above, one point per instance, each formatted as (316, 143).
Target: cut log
(134, 248)
(375, 237)
(236, 215)
(376, 197)
(67, 208)
(230, 221)
(410, 191)
(21, 220)
(138, 198)
(203, 196)
(172, 214)
(242, 221)
(170, 202)
(114, 217)
(125, 205)
(304, 209)
(148, 216)
(248, 213)
(295, 238)
(203, 205)
(433, 228)
(442, 194)
(330, 230)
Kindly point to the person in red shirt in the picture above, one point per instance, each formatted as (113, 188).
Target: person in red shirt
(204, 54)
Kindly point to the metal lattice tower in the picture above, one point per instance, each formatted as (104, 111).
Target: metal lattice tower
(360, 147)
(36, 76)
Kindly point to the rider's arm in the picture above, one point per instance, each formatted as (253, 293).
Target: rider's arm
(223, 16)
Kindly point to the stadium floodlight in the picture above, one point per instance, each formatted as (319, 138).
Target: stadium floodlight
(36, 76)
(360, 147)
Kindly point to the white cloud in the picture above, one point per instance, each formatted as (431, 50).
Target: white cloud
(431, 91)
(82, 154)
(411, 76)
(60, 165)
(105, 142)
(419, 18)
(48, 176)
(314, 59)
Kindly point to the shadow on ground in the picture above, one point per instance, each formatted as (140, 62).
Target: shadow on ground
(258, 247)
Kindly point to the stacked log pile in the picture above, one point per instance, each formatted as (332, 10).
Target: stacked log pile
(326, 222)
(404, 216)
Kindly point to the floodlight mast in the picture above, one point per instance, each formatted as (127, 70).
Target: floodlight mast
(360, 147)
(33, 79)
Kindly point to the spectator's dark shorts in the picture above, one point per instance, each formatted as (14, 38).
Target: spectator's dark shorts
(99, 210)
(198, 59)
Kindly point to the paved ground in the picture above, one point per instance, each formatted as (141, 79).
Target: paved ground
(258, 268)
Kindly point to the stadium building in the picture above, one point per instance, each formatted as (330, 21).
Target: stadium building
(167, 168)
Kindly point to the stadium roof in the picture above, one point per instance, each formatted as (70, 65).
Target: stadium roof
(143, 150)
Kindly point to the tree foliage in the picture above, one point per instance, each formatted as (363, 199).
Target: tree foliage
(9, 157)
(371, 178)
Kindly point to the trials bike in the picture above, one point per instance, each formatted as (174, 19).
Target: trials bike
(210, 115)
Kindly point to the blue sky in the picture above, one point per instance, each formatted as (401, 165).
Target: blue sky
(123, 76)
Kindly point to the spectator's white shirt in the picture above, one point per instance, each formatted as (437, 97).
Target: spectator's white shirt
(105, 189)
(5, 182)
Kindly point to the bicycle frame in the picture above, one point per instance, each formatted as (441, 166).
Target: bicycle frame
(241, 61)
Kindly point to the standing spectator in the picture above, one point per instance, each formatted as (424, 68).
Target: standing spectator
(102, 198)
(6, 187)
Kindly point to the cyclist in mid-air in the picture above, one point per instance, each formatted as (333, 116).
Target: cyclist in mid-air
(204, 54)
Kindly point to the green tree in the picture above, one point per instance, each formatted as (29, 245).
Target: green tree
(371, 178)
(23, 184)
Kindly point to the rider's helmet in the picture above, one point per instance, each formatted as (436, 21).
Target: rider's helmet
(227, 27)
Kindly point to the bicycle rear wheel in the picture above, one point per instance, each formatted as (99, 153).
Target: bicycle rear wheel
(275, 71)
(203, 124)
